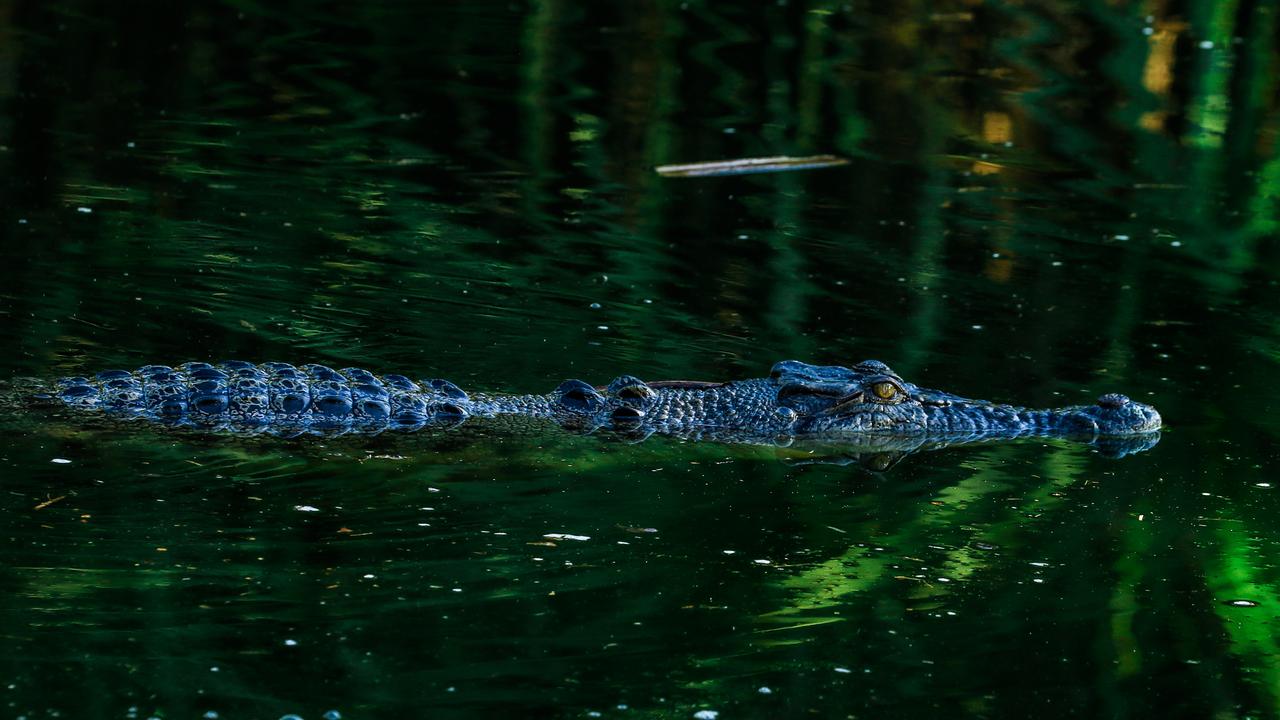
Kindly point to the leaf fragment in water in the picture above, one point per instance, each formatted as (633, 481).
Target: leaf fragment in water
(747, 166)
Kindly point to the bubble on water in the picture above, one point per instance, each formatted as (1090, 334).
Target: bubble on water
(332, 715)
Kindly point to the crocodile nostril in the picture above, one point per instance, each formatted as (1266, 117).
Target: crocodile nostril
(1113, 401)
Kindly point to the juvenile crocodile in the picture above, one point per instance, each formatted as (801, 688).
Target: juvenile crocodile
(864, 405)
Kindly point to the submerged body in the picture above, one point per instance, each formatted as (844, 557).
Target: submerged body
(866, 404)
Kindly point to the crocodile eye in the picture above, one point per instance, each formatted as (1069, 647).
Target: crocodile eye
(885, 390)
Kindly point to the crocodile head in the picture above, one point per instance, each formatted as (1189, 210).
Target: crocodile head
(870, 397)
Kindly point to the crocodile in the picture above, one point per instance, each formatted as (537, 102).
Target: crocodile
(863, 406)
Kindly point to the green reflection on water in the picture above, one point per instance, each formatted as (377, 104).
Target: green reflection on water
(1046, 201)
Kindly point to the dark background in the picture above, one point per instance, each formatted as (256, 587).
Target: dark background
(1045, 201)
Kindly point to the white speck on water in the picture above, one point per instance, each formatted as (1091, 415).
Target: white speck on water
(1262, 485)
(290, 643)
(1056, 263)
(595, 306)
(210, 715)
(977, 327)
(728, 552)
(1040, 564)
(707, 714)
(1148, 31)
(1175, 243)
(844, 670)
(1206, 44)
(1121, 238)
(457, 589)
(565, 536)
(22, 221)
(306, 508)
(368, 576)
(131, 144)
(215, 668)
(602, 327)
(764, 690)
(761, 562)
(60, 461)
(84, 209)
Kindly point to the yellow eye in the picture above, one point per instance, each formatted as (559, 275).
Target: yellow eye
(884, 390)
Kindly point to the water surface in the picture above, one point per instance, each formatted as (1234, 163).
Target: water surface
(1046, 201)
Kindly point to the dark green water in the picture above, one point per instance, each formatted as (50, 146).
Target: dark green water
(1047, 201)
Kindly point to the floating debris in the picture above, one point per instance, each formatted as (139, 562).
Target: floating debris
(49, 502)
(748, 166)
(565, 536)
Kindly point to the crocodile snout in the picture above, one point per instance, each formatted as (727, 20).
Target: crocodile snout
(1116, 414)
